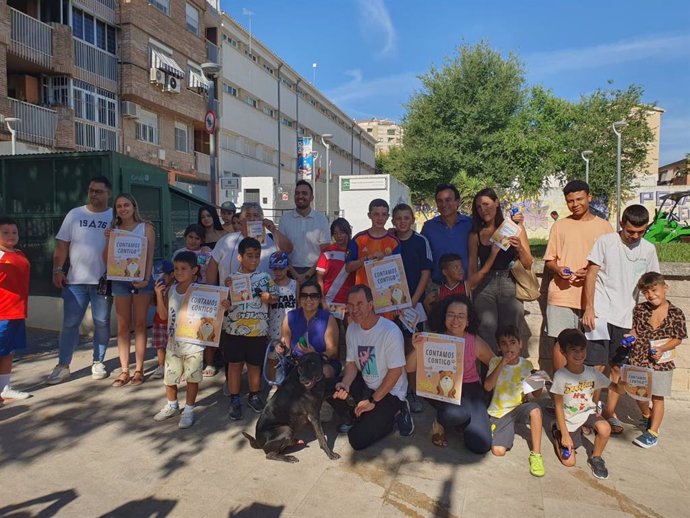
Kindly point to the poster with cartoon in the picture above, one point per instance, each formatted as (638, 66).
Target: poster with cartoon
(240, 288)
(440, 367)
(388, 284)
(337, 310)
(503, 233)
(256, 230)
(126, 256)
(201, 315)
(666, 356)
(639, 382)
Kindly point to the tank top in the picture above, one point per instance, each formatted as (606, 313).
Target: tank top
(469, 361)
(503, 259)
(314, 331)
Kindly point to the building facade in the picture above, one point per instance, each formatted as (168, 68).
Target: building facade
(386, 132)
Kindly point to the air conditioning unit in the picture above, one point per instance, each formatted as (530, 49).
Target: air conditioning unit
(157, 76)
(130, 110)
(172, 85)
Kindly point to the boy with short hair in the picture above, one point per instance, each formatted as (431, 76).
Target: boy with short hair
(245, 330)
(655, 319)
(573, 391)
(14, 296)
(371, 244)
(508, 405)
(286, 293)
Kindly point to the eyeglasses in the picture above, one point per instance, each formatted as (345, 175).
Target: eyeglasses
(455, 316)
(312, 296)
(97, 191)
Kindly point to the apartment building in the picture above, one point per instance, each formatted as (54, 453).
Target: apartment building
(387, 133)
(58, 74)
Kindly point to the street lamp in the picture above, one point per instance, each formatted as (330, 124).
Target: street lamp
(247, 12)
(211, 71)
(13, 131)
(324, 138)
(585, 156)
(617, 127)
(313, 74)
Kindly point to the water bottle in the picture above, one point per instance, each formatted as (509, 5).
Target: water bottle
(565, 453)
(628, 341)
(567, 271)
(514, 211)
(623, 352)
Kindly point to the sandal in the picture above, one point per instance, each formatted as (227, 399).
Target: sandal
(438, 435)
(209, 371)
(138, 378)
(616, 425)
(122, 379)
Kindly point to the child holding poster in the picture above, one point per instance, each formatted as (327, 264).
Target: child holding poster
(659, 327)
(508, 407)
(163, 272)
(332, 276)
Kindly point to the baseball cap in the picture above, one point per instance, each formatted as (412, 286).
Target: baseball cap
(278, 260)
(229, 206)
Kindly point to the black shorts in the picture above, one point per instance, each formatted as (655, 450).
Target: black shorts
(601, 352)
(238, 349)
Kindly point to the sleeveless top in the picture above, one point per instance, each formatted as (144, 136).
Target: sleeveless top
(313, 331)
(469, 360)
(503, 259)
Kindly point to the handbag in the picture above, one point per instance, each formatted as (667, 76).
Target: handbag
(526, 282)
(105, 287)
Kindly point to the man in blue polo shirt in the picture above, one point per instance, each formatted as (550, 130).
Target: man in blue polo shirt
(449, 231)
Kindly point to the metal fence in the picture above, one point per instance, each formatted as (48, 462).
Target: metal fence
(37, 124)
(95, 60)
(31, 38)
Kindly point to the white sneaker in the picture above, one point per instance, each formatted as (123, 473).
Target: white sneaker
(10, 393)
(58, 375)
(158, 373)
(186, 418)
(166, 412)
(98, 371)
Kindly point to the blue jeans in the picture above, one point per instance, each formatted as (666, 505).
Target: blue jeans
(76, 298)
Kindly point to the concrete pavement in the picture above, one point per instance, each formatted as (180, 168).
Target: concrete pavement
(83, 448)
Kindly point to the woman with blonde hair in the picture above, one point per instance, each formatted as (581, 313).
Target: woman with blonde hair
(132, 299)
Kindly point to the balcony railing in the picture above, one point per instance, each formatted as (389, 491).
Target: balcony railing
(202, 163)
(37, 124)
(95, 60)
(31, 38)
(103, 9)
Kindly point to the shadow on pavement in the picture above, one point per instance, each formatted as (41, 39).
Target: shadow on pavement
(145, 508)
(257, 509)
(56, 501)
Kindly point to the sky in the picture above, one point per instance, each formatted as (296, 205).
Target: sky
(370, 53)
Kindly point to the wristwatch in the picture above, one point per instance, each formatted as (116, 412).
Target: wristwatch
(372, 400)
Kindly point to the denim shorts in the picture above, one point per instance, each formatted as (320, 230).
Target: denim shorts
(124, 288)
(12, 336)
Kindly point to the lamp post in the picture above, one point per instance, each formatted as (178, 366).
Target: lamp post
(585, 156)
(13, 131)
(249, 13)
(313, 74)
(211, 71)
(324, 138)
(617, 128)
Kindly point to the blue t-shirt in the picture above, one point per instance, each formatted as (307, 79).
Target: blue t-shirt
(416, 257)
(445, 240)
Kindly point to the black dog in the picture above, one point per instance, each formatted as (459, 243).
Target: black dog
(296, 402)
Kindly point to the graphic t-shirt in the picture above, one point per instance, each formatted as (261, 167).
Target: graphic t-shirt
(85, 232)
(250, 318)
(287, 300)
(508, 392)
(203, 256)
(364, 244)
(177, 347)
(336, 281)
(376, 350)
(577, 391)
(14, 285)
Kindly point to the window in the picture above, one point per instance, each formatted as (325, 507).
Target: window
(162, 5)
(229, 89)
(78, 23)
(181, 139)
(286, 122)
(56, 90)
(192, 19)
(369, 130)
(147, 127)
(250, 100)
(390, 132)
(88, 28)
(268, 111)
(96, 32)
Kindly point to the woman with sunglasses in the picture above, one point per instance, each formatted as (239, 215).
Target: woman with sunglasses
(310, 328)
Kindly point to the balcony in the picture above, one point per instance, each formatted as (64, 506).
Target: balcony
(103, 9)
(212, 53)
(31, 39)
(97, 62)
(202, 164)
(37, 124)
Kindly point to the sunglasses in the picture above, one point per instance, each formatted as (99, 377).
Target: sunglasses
(312, 296)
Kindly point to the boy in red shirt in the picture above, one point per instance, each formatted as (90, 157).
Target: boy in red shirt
(14, 296)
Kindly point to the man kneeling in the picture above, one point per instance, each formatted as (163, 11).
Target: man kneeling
(371, 395)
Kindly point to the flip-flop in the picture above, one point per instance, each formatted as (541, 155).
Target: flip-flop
(122, 379)
(438, 435)
(138, 378)
(616, 425)
(209, 371)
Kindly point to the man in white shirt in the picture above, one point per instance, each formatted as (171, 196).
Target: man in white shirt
(308, 230)
(81, 238)
(373, 388)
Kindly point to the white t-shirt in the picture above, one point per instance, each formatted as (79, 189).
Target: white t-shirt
(84, 230)
(177, 347)
(577, 390)
(307, 234)
(287, 300)
(227, 249)
(376, 350)
(621, 266)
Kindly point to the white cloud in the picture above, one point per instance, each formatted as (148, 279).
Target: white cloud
(358, 88)
(554, 61)
(375, 21)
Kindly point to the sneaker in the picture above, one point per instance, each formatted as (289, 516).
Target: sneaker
(415, 403)
(646, 440)
(536, 464)
(158, 373)
(98, 371)
(404, 420)
(235, 410)
(166, 412)
(345, 427)
(598, 468)
(186, 418)
(10, 393)
(255, 402)
(58, 375)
